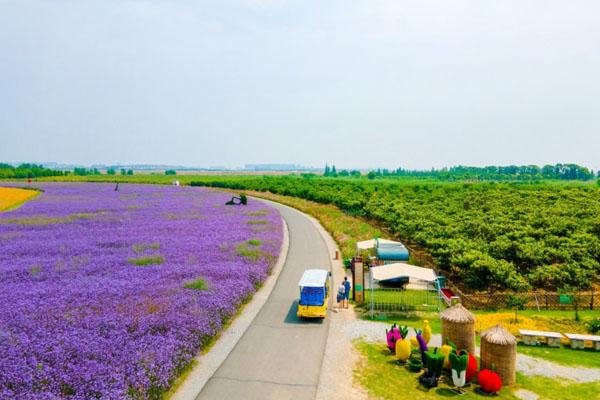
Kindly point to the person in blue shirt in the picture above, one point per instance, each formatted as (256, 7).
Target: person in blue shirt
(347, 291)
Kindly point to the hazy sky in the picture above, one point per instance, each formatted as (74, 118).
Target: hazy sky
(359, 83)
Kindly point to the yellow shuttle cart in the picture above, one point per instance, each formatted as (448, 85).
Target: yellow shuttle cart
(314, 294)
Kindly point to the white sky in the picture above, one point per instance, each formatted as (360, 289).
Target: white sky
(359, 83)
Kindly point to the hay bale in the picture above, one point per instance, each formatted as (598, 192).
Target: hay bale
(499, 353)
(458, 326)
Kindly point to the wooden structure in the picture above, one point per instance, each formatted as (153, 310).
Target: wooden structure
(499, 353)
(535, 338)
(458, 326)
(358, 280)
(578, 341)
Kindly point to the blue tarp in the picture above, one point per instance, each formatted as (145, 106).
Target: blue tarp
(392, 252)
(312, 296)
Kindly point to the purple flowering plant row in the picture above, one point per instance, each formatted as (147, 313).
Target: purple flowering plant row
(109, 294)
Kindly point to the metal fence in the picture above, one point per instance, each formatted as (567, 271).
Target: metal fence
(533, 300)
(396, 300)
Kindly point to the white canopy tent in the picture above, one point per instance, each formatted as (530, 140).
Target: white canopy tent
(370, 244)
(396, 270)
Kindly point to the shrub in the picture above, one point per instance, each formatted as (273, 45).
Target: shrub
(594, 325)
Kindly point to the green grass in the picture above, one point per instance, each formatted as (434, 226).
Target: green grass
(403, 299)
(383, 378)
(254, 242)
(563, 355)
(140, 248)
(559, 389)
(249, 252)
(46, 220)
(379, 374)
(412, 320)
(257, 222)
(144, 261)
(260, 213)
(197, 284)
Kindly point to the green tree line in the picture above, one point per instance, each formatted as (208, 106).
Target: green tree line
(489, 173)
(8, 171)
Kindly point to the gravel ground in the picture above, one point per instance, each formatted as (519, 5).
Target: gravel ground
(375, 332)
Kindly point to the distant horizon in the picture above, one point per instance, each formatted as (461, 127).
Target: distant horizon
(248, 167)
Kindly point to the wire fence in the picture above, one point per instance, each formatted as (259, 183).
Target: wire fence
(539, 300)
(392, 300)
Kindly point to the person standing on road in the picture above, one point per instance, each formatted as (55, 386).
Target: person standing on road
(347, 286)
(340, 294)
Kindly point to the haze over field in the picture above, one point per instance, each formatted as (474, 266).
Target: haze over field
(358, 83)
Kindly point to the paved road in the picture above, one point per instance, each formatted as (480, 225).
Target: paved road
(279, 356)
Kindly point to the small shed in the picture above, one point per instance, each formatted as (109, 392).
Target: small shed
(458, 326)
(499, 353)
(387, 251)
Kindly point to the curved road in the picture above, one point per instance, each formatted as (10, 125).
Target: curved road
(279, 356)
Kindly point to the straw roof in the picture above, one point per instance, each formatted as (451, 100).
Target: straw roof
(499, 335)
(457, 313)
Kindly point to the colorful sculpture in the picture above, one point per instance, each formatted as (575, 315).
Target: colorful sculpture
(459, 363)
(489, 381)
(392, 336)
(426, 331)
(422, 346)
(446, 350)
(403, 347)
(471, 367)
(434, 362)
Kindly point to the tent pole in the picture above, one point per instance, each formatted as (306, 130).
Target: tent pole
(371, 284)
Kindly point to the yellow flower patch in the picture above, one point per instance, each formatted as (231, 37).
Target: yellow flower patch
(536, 323)
(13, 197)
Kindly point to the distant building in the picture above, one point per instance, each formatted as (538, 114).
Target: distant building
(276, 167)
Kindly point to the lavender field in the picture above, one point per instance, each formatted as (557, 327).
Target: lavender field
(108, 294)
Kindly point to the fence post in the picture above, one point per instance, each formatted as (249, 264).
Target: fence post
(592, 301)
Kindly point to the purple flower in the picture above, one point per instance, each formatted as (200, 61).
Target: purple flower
(93, 297)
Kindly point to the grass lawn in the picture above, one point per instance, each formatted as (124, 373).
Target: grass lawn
(396, 299)
(412, 320)
(379, 374)
(563, 355)
(555, 389)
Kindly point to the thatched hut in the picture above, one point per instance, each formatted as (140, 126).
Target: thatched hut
(458, 326)
(499, 353)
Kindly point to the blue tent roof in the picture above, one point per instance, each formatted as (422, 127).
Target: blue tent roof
(392, 251)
